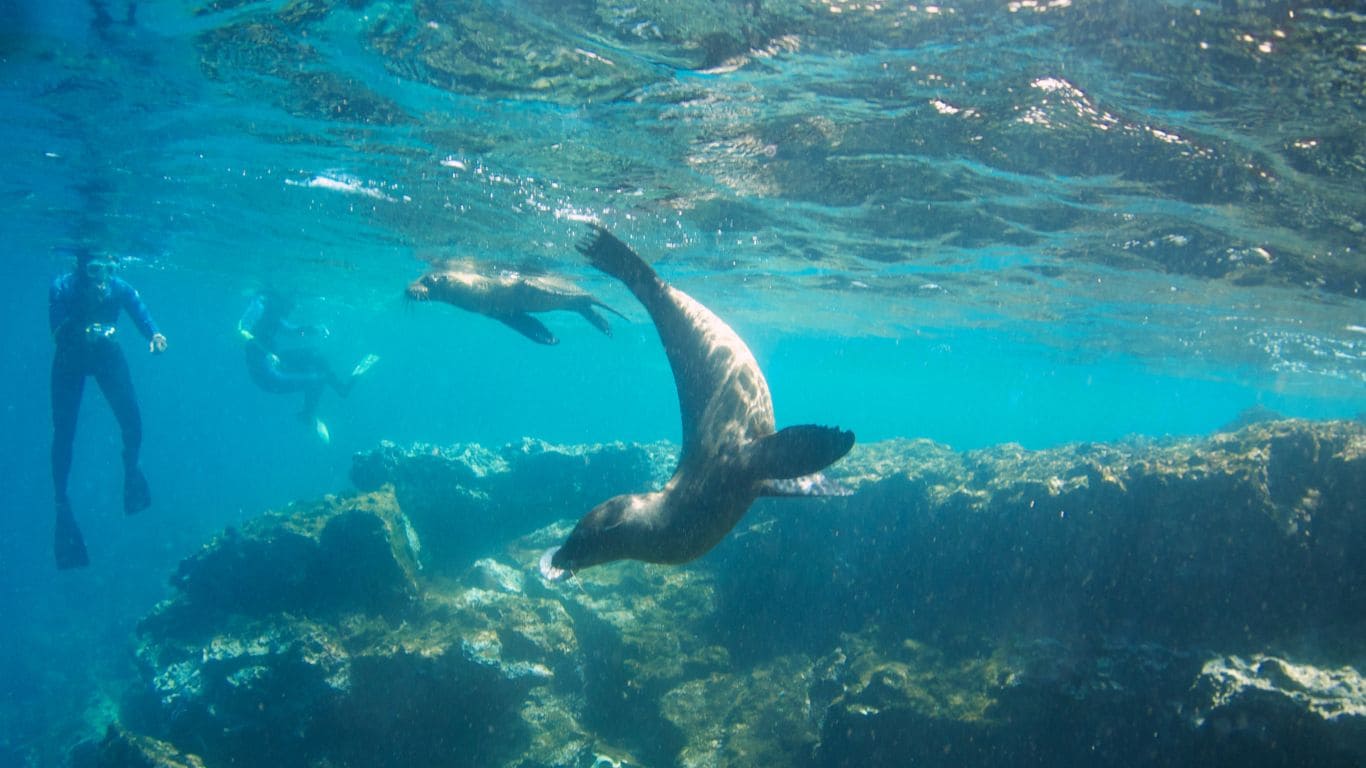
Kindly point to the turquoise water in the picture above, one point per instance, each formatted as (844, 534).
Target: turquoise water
(1031, 223)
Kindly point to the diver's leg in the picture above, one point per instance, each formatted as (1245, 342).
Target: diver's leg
(112, 374)
(312, 396)
(68, 382)
(311, 363)
(304, 370)
(341, 386)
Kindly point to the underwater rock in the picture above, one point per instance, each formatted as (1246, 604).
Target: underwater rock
(1238, 540)
(1136, 603)
(288, 562)
(1048, 703)
(468, 500)
(122, 749)
(488, 668)
(1267, 704)
(759, 716)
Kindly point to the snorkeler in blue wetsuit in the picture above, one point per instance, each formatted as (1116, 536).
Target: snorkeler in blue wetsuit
(280, 369)
(83, 309)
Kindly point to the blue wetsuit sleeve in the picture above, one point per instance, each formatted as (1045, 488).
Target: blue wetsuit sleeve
(58, 305)
(132, 304)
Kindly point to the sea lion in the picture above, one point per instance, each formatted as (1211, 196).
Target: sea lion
(731, 454)
(509, 297)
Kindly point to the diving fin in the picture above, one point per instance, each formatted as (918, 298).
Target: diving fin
(136, 495)
(799, 451)
(68, 544)
(364, 365)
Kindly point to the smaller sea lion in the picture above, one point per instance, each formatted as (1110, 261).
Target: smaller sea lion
(509, 297)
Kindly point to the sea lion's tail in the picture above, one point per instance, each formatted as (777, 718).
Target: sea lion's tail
(616, 258)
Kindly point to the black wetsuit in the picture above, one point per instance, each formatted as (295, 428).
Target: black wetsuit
(82, 319)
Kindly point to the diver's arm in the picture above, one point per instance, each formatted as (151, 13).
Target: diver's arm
(58, 306)
(142, 317)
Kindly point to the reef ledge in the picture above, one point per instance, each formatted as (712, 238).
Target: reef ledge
(1147, 602)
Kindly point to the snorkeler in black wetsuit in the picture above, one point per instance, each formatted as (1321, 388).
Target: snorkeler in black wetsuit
(282, 370)
(83, 307)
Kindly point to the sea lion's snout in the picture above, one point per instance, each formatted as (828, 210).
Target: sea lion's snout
(548, 569)
(418, 290)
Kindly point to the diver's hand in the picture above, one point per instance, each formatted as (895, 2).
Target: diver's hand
(157, 345)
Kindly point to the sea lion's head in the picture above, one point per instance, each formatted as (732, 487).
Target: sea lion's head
(421, 288)
(610, 531)
(449, 284)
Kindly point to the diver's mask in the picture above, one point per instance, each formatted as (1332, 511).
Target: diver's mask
(99, 271)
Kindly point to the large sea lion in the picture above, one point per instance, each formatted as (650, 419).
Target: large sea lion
(731, 454)
(508, 296)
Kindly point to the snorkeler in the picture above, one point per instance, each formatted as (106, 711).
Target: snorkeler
(282, 370)
(83, 309)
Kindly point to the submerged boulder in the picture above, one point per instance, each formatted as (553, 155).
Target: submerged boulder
(1263, 705)
(122, 749)
(1188, 601)
(469, 501)
(1239, 540)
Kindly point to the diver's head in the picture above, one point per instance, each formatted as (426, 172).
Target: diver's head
(95, 269)
(277, 303)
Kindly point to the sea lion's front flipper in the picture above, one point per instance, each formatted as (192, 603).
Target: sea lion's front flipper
(616, 258)
(799, 451)
(529, 327)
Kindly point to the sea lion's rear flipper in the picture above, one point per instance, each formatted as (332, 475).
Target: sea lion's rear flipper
(597, 320)
(810, 485)
(799, 451)
(597, 303)
(529, 327)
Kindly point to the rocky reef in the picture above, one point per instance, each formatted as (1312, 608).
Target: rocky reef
(1178, 602)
